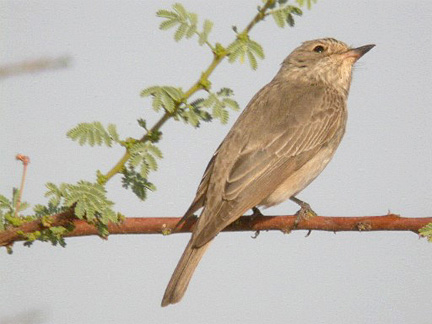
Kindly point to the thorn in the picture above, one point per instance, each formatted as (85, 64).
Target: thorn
(309, 233)
(255, 235)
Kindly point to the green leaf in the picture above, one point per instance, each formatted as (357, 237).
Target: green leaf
(150, 91)
(217, 102)
(174, 93)
(225, 92)
(93, 134)
(256, 48)
(135, 160)
(112, 131)
(308, 3)
(153, 149)
(166, 14)
(296, 11)
(139, 184)
(56, 193)
(210, 101)
(243, 47)
(235, 50)
(166, 97)
(144, 170)
(290, 20)
(151, 162)
(178, 7)
(252, 60)
(426, 231)
(157, 102)
(192, 26)
(144, 155)
(89, 201)
(190, 31)
(186, 23)
(181, 32)
(191, 117)
(193, 18)
(207, 27)
(167, 101)
(167, 24)
(5, 203)
(231, 103)
(283, 14)
(142, 123)
(197, 102)
(279, 18)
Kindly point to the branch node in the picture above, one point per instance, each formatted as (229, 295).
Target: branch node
(363, 226)
(166, 230)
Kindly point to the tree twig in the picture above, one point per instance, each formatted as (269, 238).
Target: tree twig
(33, 66)
(163, 225)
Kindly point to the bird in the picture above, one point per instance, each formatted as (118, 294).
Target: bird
(280, 143)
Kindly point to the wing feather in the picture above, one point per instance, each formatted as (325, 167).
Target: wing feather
(281, 129)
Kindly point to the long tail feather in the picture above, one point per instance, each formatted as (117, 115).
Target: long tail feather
(183, 273)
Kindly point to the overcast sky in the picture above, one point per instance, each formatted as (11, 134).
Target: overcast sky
(384, 163)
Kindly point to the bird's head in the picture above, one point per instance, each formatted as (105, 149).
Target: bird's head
(325, 60)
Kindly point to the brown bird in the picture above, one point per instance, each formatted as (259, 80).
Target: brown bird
(282, 141)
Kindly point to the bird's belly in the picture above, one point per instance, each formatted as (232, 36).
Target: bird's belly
(301, 178)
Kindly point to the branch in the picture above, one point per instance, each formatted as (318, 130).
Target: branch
(162, 225)
(33, 66)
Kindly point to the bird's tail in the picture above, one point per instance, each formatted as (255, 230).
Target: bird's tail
(183, 273)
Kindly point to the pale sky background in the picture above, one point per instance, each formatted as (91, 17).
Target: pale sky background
(383, 163)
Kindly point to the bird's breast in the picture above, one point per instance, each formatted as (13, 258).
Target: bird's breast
(303, 176)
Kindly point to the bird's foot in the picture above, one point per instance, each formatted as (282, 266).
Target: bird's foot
(256, 212)
(305, 212)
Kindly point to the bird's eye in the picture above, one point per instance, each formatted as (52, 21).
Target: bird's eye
(318, 49)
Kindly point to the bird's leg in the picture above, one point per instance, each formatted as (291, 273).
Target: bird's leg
(256, 212)
(305, 211)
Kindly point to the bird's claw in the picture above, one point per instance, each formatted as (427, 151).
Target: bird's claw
(256, 212)
(305, 213)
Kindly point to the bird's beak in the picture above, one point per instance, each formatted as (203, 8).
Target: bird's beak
(358, 52)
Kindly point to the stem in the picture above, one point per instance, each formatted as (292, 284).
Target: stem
(25, 161)
(160, 225)
(206, 42)
(217, 59)
(259, 16)
(118, 167)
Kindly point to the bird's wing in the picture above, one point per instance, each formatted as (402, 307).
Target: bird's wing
(282, 128)
(200, 195)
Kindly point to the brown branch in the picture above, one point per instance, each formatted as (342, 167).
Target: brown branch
(33, 66)
(159, 225)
